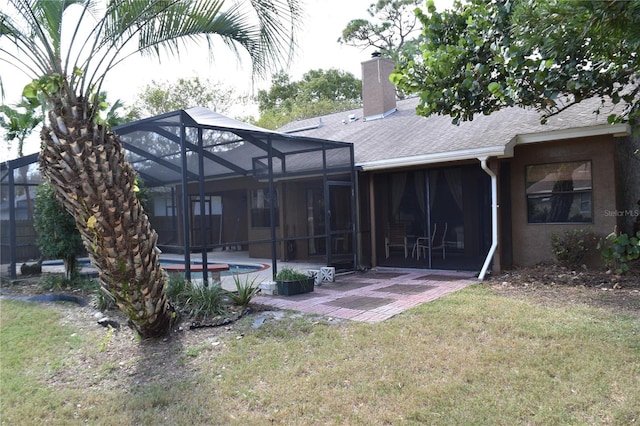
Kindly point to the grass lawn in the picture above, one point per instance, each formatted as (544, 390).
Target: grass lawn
(473, 357)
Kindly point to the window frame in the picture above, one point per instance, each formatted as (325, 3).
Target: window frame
(578, 194)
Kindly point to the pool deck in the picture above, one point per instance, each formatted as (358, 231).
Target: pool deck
(371, 296)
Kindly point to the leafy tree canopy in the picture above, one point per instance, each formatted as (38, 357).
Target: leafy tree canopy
(482, 56)
(319, 92)
(161, 97)
(392, 28)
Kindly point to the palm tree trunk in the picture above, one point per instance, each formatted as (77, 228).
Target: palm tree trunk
(96, 185)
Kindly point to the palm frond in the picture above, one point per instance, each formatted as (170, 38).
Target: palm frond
(19, 48)
(107, 33)
(275, 38)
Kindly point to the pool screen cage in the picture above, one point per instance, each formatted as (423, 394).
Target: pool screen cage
(194, 154)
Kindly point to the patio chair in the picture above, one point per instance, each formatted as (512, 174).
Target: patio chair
(437, 242)
(396, 237)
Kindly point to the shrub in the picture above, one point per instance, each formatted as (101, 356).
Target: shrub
(58, 237)
(571, 247)
(176, 289)
(245, 290)
(203, 302)
(290, 274)
(196, 300)
(620, 249)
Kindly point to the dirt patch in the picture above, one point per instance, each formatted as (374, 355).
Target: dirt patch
(555, 285)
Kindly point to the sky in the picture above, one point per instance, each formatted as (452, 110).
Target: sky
(323, 23)
(318, 48)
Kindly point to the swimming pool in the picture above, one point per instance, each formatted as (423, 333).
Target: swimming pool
(234, 268)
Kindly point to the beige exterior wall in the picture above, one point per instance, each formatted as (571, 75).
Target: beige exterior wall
(236, 203)
(236, 219)
(532, 242)
(292, 222)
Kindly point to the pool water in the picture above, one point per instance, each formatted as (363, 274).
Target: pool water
(234, 268)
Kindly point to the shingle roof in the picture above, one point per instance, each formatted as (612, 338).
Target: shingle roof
(403, 134)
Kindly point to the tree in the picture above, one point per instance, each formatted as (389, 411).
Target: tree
(319, 92)
(58, 237)
(69, 55)
(483, 56)
(161, 97)
(18, 123)
(392, 29)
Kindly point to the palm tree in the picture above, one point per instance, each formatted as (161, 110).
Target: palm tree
(68, 47)
(18, 123)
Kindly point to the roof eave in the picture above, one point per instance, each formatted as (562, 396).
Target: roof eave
(617, 130)
(440, 157)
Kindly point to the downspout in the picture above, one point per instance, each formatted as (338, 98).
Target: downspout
(494, 217)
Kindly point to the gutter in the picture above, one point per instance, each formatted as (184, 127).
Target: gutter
(494, 217)
(418, 160)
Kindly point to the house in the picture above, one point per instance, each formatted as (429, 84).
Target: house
(500, 185)
(381, 186)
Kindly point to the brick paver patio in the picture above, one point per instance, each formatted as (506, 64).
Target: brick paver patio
(373, 296)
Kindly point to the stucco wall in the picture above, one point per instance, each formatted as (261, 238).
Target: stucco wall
(532, 241)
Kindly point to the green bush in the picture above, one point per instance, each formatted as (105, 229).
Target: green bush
(245, 290)
(176, 289)
(204, 302)
(290, 274)
(620, 249)
(58, 237)
(196, 300)
(572, 246)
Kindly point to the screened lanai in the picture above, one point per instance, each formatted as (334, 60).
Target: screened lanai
(214, 183)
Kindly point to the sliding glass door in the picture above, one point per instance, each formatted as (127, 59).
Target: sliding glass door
(432, 218)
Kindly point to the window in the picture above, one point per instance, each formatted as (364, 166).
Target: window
(163, 203)
(559, 192)
(260, 208)
(212, 205)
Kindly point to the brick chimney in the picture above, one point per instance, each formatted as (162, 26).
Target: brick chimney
(378, 93)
